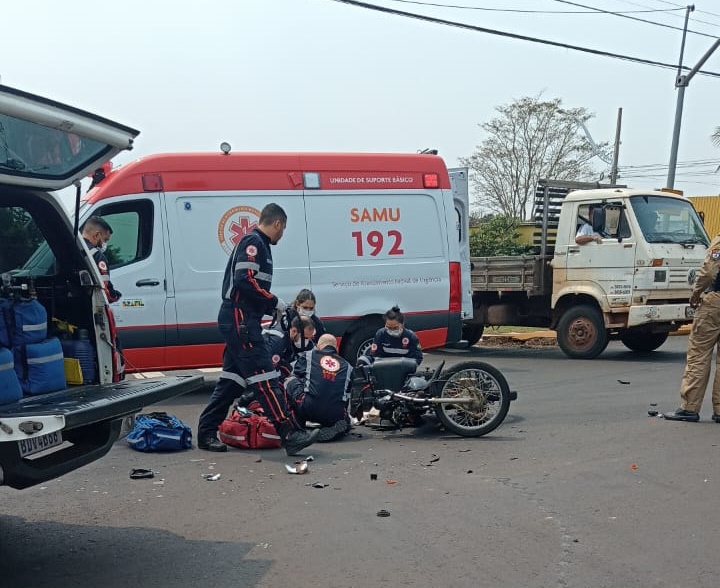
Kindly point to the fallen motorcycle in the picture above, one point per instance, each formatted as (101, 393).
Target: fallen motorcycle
(470, 399)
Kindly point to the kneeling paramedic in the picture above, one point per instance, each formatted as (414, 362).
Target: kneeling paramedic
(246, 358)
(320, 386)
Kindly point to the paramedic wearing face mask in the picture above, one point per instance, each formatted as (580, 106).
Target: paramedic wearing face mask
(394, 340)
(304, 305)
(247, 363)
(285, 346)
(96, 232)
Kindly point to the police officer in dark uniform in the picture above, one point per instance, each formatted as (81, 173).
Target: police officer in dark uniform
(246, 359)
(96, 232)
(320, 386)
(394, 340)
(704, 337)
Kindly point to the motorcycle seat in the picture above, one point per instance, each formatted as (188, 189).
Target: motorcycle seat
(392, 373)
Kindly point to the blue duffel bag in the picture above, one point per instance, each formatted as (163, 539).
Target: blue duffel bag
(159, 431)
(28, 321)
(40, 367)
(5, 324)
(10, 390)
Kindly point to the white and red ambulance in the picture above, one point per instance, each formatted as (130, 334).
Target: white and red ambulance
(365, 232)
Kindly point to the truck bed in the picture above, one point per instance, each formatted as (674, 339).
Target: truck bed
(521, 273)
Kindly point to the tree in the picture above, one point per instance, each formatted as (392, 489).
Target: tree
(497, 236)
(529, 140)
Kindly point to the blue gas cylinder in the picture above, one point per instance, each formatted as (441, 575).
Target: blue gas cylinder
(80, 348)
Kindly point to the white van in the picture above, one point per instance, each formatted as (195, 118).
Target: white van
(47, 431)
(365, 232)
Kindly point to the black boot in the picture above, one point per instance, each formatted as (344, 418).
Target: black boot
(295, 440)
(212, 444)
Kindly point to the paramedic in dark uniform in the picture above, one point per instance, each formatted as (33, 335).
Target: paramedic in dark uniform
(704, 337)
(320, 386)
(96, 232)
(246, 359)
(394, 340)
(284, 347)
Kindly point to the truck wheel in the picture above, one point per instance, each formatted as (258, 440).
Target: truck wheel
(472, 332)
(358, 343)
(581, 332)
(643, 342)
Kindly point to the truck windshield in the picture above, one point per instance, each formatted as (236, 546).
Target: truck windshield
(664, 219)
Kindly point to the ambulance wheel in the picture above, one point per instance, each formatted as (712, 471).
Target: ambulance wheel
(472, 332)
(581, 332)
(643, 342)
(358, 343)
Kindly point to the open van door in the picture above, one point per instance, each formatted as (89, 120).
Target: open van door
(461, 201)
(48, 145)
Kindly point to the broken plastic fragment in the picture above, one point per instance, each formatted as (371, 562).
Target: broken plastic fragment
(211, 477)
(299, 468)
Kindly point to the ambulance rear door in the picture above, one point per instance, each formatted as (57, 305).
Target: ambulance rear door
(461, 201)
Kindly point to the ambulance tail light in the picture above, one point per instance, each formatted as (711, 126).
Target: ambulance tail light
(455, 289)
(118, 364)
(431, 181)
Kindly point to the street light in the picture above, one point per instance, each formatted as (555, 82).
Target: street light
(681, 82)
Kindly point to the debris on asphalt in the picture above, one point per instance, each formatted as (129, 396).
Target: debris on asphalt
(391, 482)
(633, 466)
(211, 477)
(469, 471)
(623, 381)
(300, 467)
(652, 413)
(141, 473)
(373, 476)
(318, 485)
(383, 513)
(464, 450)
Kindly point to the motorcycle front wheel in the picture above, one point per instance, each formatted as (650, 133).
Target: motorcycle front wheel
(483, 399)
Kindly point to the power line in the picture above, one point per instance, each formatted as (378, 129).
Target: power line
(678, 5)
(652, 22)
(713, 24)
(519, 37)
(483, 8)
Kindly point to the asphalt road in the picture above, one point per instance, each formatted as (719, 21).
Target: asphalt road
(578, 488)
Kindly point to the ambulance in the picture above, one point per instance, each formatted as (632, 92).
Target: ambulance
(365, 232)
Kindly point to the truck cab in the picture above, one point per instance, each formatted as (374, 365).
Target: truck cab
(634, 282)
(44, 433)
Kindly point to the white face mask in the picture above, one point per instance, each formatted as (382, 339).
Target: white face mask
(103, 247)
(304, 312)
(394, 332)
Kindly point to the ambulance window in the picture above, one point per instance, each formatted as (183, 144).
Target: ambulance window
(132, 225)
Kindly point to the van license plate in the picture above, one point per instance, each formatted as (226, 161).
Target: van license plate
(37, 444)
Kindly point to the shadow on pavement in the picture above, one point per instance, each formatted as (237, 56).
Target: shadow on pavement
(49, 554)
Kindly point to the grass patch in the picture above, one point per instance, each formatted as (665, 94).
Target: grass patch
(509, 329)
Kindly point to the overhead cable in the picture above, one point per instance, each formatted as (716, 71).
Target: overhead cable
(462, 25)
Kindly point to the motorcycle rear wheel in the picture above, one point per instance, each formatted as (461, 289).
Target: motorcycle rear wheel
(486, 394)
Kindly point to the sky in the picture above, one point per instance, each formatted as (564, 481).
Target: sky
(322, 75)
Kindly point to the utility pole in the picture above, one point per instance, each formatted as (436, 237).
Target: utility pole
(681, 82)
(616, 149)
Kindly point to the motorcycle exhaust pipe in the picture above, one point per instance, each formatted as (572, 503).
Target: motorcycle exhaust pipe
(402, 396)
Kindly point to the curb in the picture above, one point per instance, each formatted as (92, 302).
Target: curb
(549, 334)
